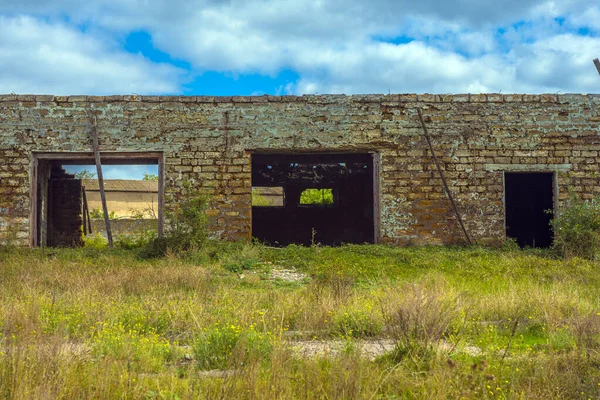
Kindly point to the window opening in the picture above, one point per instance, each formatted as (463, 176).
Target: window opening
(268, 196)
(317, 197)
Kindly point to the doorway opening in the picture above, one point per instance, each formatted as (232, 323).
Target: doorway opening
(529, 204)
(327, 199)
(65, 196)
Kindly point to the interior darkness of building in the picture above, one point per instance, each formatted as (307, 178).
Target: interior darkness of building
(348, 219)
(529, 197)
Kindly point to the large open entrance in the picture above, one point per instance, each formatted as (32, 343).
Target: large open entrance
(60, 210)
(529, 202)
(306, 199)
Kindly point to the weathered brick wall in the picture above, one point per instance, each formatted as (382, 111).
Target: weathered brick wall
(208, 141)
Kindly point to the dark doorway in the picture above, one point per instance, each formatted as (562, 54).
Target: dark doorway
(529, 203)
(313, 198)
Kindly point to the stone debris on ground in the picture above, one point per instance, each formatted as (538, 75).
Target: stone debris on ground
(217, 373)
(288, 275)
(371, 349)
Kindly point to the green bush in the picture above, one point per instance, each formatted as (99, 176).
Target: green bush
(246, 259)
(136, 240)
(95, 241)
(157, 247)
(187, 222)
(577, 228)
(186, 228)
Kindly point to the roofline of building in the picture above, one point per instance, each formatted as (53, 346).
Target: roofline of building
(108, 187)
(320, 98)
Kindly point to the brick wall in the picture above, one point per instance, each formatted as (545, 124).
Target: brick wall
(207, 141)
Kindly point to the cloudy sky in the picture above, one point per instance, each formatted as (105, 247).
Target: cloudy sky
(227, 47)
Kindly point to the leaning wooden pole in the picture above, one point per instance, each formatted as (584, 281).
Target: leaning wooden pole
(86, 212)
(437, 164)
(101, 181)
(85, 232)
(597, 64)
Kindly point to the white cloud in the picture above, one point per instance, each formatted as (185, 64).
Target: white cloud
(331, 46)
(589, 19)
(458, 45)
(407, 68)
(559, 63)
(40, 57)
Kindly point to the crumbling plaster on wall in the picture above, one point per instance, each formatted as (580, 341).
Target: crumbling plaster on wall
(208, 142)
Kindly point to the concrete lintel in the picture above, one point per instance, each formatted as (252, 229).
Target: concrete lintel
(527, 167)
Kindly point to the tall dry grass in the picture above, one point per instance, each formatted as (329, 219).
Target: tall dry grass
(466, 322)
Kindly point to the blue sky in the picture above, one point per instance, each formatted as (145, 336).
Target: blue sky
(116, 171)
(254, 47)
(235, 47)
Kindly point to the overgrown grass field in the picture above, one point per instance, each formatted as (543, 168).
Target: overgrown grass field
(463, 322)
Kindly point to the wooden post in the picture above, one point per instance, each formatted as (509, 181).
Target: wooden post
(101, 181)
(86, 211)
(597, 64)
(437, 164)
(83, 214)
(161, 194)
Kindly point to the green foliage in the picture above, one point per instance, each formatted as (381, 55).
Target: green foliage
(267, 196)
(440, 322)
(139, 317)
(187, 222)
(56, 317)
(148, 350)
(85, 174)
(136, 240)
(141, 214)
(248, 258)
(577, 228)
(150, 177)
(357, 322)
(187, 228)
(157, 247)
(95, 241)
(97, 213)
(259, 200)
(221, 346)
(122, 241)
(317, 196)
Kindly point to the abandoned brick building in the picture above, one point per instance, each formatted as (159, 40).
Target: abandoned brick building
(507, 159)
